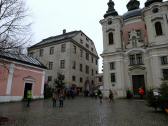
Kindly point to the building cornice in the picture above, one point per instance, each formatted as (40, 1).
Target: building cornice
(22, 64)
(157, 4)
(76, 43)
(112, 53)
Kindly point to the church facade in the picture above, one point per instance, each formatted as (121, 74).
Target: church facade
(135, 47)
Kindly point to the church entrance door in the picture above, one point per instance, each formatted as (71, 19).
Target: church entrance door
(138, 82)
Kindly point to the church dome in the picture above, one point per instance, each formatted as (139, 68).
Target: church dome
(132, 13)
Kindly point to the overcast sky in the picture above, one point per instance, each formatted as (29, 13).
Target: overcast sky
(50, 17)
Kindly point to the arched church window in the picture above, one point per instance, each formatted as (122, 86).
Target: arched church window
(158, 28)
(111, 39)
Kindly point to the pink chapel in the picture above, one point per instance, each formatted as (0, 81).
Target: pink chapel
(18, 74)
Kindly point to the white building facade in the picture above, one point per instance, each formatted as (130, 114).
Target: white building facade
(71, 54)
(135, 47)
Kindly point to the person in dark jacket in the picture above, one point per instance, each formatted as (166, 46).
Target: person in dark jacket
(111, 96)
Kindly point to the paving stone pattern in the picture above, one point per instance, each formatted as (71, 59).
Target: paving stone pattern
(83, 112)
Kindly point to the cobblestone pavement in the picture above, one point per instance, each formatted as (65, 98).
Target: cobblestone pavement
(83, 112)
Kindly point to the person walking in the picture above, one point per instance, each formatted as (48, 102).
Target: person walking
(29, 97)
(61, 99)
(100, 95)
(54, 98)
(111, 96)
(141, 92)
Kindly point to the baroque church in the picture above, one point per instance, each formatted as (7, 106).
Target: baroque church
(135, 47)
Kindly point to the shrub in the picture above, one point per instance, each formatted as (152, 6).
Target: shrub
(158, 98)
(47, 91)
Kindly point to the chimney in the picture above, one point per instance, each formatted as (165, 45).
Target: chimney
(64, 31)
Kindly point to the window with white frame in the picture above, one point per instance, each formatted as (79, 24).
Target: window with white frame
(136, 59)
(112, 65)
(164, 60)
(165, 74)
(50, 66)
(113, 77)
(51, 50)
(62, 64)
(41, 52)
(74, 65)
(63, 47)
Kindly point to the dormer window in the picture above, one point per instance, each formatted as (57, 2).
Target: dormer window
(111, 39)
(158, 28)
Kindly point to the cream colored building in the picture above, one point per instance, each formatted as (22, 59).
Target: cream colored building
(99, 80)
(72, 54)
(135, 47)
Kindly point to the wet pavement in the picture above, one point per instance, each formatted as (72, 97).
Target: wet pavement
(83, 112)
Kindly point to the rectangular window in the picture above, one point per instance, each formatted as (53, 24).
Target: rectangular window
(51, 50)
(96, 72)
(81, 67)
(74, 65)
(31, 54)
(112, 66)
(92, 72)
(87, 45)
(96, 61)
(132, 60)
(62, 64)
(92, 49)
(87, 56)
(164, 60)
(63, 47)
(87, 69)
(92, 59)
(50, 65)
(81, 79)
(49, 78)
(139, 59)
(113, 79)
(41, 52)
(100, 79)
(165, 74)
(81, 41)
(73, 78)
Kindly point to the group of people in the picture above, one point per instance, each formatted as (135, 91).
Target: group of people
(99, 94)
(58, 95)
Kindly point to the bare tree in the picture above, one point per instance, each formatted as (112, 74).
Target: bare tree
(14, 28)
